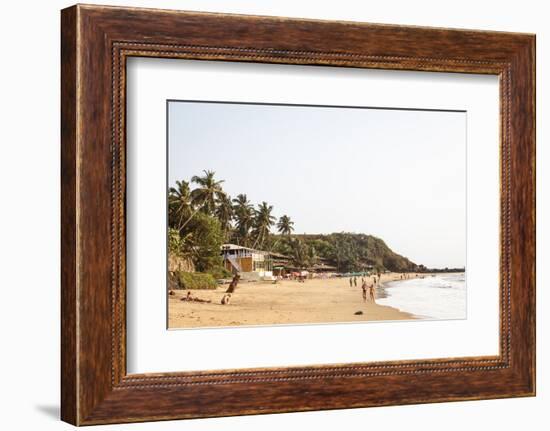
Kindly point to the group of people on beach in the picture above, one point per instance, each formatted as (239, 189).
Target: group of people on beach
(375, 280)
(367, 289)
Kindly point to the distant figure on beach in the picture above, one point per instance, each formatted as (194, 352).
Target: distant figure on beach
(191, 298)
(226, 298)
(364, 288)
(355, 281)
(351, 282)
(374, 279)
(233, 284)
(371, 291)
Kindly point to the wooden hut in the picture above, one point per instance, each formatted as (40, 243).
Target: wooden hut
(246, 261)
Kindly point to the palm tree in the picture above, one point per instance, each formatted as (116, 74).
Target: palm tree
(285, 226)
(263, 220)
(179, 202)
(299, 253)
(224, 213)
(208, 192)
(303, 255)
(244, 216)
(312, 256)
(204, 197)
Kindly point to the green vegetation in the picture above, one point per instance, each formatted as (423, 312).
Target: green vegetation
(285, 226)
(201, 219)
(219, 273)
(194, 280)
(348, 252)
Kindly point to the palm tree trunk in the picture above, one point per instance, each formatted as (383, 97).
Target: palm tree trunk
(190, 217)
(181, 218)
(260, 235)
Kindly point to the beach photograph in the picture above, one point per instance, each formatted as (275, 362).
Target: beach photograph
(283, 214)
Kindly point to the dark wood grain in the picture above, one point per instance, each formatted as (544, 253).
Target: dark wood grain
(96, 41)
(69, 398)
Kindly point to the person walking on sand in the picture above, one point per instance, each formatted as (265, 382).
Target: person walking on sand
(371, 292)
(355, 281)
(364, 288)
(351, 282)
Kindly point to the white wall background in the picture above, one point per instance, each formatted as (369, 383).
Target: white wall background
(29, 219)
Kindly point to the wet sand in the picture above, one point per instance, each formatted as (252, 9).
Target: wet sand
(287, 302)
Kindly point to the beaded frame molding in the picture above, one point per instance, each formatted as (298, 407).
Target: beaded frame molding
(95, 43)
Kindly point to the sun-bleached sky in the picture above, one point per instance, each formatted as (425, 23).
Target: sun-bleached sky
(396, 174)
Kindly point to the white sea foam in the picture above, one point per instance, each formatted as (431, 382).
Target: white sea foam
(441, 296)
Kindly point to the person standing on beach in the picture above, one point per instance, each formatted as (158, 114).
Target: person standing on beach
(351, 282)
(355, 281)
(371, 291)
(364, 288)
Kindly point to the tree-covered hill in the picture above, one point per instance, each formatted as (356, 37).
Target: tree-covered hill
(347, 252)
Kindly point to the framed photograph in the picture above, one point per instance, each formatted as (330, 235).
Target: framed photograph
(265, 214)
(340, 171)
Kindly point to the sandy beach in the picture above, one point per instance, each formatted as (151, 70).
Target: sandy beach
(287, 302)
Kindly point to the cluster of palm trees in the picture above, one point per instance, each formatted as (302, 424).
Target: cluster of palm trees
(240, 221)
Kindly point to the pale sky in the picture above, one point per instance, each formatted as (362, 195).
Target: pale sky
(396, 174)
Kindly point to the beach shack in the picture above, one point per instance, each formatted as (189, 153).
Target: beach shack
(248, 262)
(282, 264)
(323, 267)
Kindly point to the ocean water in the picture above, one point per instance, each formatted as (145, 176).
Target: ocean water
(441, 296)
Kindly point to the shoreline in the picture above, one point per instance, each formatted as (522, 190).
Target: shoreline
(444, 299)
(288, 302)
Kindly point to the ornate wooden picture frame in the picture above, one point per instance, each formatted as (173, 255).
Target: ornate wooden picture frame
(96, 41)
